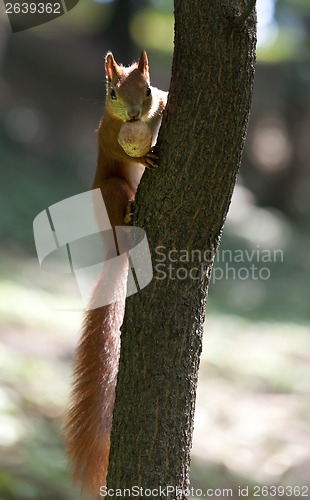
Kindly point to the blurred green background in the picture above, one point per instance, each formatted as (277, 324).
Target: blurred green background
(253, 412)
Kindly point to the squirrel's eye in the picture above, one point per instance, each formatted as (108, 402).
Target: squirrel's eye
(148, 91)
(113, 94)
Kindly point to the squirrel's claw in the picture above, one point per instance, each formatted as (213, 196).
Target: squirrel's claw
(127, 218)
(129, 213)
(152, 158)
(151, 164)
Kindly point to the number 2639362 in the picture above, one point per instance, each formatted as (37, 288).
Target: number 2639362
(32, 8)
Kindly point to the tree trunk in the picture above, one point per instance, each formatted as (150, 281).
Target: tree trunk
(182, 207)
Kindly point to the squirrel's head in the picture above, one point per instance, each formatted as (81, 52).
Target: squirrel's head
(129, 95)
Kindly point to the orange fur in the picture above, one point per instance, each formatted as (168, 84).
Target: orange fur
(89, 421)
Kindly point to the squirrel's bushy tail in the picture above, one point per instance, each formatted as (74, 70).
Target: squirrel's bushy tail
(89, 421)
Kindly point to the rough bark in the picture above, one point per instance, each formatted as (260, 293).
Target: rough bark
(182, 206)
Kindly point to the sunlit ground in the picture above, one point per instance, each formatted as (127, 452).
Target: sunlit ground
(252, 415)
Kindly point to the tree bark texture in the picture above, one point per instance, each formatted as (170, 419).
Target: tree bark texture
(182, 206)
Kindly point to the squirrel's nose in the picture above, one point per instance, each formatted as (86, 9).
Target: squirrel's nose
(133, 114)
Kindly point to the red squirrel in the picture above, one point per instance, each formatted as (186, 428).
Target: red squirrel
(129, 97)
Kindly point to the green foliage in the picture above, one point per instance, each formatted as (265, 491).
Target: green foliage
(287, 36)
(153, 30)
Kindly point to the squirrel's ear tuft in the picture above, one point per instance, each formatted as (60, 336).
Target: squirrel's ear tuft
(110, 66)
(143, 64)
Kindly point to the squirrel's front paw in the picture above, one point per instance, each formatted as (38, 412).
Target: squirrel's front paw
(151, 159)
(129, 213)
